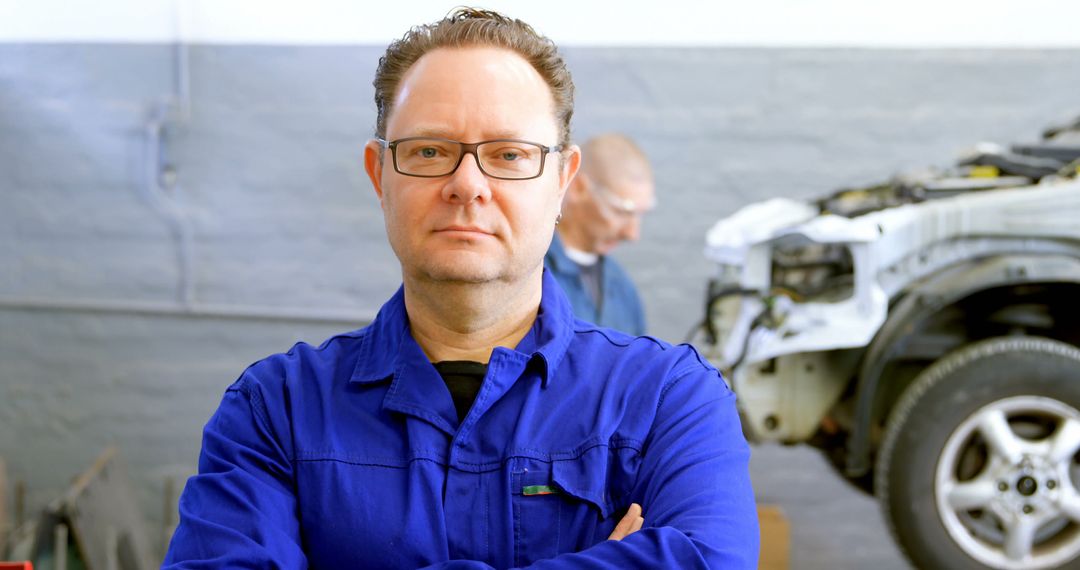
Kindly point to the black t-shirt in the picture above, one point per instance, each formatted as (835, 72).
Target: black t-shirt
(463, 378)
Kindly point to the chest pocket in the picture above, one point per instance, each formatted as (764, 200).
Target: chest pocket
(567, 505)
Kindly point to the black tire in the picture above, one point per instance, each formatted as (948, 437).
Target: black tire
(931, 446)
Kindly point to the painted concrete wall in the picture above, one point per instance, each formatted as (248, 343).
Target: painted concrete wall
(695, 23)
(270, 183)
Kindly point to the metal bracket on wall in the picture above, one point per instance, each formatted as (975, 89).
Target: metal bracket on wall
(161, 190)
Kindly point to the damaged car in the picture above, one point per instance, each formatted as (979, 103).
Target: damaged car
(922, 333)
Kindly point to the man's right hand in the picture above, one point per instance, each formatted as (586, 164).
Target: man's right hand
(630, 523)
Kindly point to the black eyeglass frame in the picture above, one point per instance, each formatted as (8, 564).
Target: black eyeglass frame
(468, 148)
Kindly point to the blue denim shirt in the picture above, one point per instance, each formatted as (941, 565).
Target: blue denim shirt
(350, 455)
(621, 307)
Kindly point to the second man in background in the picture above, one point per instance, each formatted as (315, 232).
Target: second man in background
(602, 208)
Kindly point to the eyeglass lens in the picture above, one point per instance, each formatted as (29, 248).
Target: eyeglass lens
(438, 157)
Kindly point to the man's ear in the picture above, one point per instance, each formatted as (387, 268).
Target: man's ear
(373, 164)
(569, 177)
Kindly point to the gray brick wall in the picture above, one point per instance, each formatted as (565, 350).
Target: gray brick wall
(281, 214)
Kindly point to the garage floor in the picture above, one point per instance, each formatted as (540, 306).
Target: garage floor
(833, 525)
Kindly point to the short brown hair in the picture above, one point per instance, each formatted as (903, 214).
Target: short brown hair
(471, 27)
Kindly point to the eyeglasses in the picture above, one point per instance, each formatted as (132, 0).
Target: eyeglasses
(505, 159)
(622, 207)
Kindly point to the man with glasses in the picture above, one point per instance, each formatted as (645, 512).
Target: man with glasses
(475, 423)
(602, 208)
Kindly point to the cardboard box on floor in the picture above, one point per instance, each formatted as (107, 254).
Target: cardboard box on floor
(775, 538)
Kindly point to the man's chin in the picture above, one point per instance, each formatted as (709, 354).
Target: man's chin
(460, 274)
(606, 248)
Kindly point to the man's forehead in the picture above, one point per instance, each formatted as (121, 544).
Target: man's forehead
(628, 175)
(449, 87)
(640, 190)
(637, 188)
(440, 131)
(480, 60)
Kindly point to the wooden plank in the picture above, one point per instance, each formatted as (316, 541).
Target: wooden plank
(105, 520)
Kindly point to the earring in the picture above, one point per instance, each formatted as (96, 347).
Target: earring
(558, 218)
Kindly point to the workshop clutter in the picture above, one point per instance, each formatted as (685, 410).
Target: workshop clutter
(94, 525)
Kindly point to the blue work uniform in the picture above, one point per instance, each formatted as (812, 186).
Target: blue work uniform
(620, 307)
(350, 455)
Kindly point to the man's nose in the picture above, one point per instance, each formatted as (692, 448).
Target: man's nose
(468, 183)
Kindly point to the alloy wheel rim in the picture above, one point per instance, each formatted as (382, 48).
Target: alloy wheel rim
(1006, 483)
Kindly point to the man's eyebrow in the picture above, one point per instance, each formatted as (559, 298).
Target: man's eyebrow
(504, 135)
(431, 132)
(442, 133)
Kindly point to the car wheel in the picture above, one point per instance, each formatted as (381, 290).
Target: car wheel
(979, 465)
